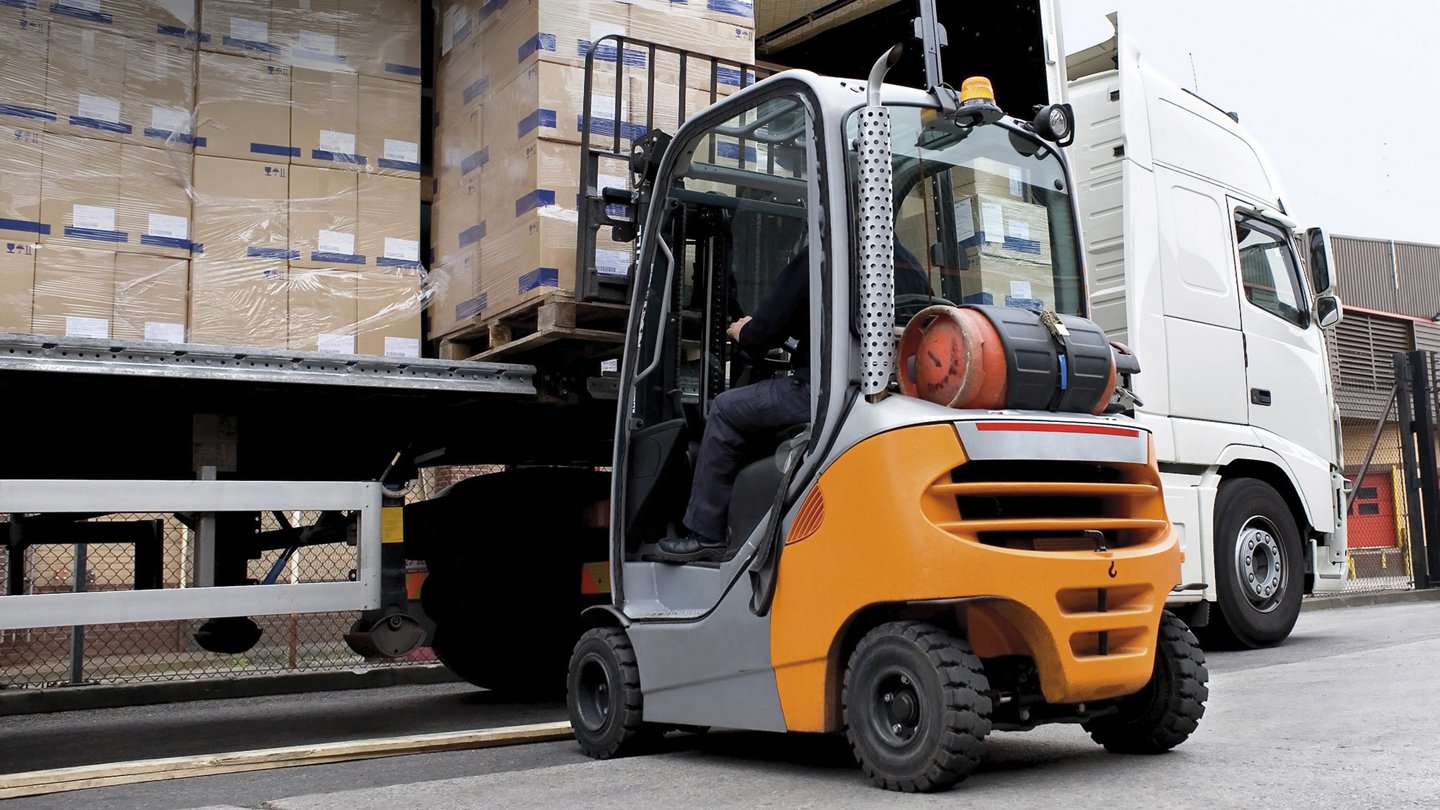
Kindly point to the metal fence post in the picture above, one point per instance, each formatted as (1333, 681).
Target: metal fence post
(1404, 406)
(77, 633)
(1422, 363)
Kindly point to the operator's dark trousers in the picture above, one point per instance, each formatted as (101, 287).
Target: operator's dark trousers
(738, 417)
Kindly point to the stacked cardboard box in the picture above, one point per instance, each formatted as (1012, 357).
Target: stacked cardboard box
(234, 172)
(510, 96)
(1004, 237)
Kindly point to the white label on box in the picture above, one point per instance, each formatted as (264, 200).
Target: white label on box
(402, 347)
(603, 108)
(1018, 228)
(336, 344)
(168, 120)
(76, 326)
(1019, 289)
(612, 262)
(406, 250)
(169, 226)
(336, 242)
(316, 42)
(992, 221)
(100, 108)
(612, 181)
(160, 332)
(341, 142)
(94, 217)
(610, 365)
(1017, 178)
(249, 30)
(964, 220)
(403, 151)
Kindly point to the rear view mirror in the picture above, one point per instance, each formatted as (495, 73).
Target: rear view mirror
(1319, 260)
(1328, 311)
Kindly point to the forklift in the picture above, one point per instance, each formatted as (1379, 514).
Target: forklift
(969, 532)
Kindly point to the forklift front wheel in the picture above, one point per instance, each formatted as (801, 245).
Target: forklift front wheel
(603, 694)
(916, 710)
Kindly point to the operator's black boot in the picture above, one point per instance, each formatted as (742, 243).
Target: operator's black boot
(690, 548)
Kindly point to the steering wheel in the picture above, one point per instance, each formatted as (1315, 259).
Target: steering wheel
(908, 305)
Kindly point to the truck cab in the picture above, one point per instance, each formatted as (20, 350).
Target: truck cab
(1196, 263)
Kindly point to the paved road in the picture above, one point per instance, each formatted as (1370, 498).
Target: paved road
(1342, 715)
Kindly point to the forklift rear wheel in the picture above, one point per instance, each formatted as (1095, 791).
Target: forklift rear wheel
(604, 696)
(1166, 712)
(916, 710)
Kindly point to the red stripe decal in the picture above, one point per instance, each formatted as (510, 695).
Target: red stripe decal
(1058, 427)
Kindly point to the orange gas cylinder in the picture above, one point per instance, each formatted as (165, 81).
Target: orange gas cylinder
(953, 356)
(997, 357)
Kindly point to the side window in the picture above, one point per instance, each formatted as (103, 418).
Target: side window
(736, 216)
(1268, 272)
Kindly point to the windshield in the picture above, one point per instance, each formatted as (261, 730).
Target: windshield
(982, 216)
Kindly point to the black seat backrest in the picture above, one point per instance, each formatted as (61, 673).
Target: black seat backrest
(755, 489)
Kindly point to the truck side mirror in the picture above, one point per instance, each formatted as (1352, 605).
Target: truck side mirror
(1328, 311)
(1319, 259)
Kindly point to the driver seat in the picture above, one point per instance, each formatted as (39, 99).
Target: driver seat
(757, 483)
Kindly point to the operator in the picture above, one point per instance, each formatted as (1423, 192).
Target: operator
(760, 409)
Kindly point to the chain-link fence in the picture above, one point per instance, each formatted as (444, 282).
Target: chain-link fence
(161, 651)
(1378, 512)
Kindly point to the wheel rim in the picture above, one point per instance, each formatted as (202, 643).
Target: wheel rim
(1260, 563)
(593, 693)
(896, 708)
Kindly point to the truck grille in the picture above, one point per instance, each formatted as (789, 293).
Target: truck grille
(1050, 506)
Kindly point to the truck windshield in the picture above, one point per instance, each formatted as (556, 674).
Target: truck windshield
(982, 216)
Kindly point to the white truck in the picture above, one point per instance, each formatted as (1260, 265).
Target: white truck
(1196, 265)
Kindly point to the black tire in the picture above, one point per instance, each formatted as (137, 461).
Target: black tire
(603, 696)
(1259, 567)
(915, 707)
(1167, 711)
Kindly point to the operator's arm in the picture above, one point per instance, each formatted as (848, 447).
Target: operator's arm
(769, 327)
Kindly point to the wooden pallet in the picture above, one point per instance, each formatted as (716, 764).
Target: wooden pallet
(552, 326)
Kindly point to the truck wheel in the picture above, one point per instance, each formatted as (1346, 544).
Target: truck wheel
(915, 707)
(1259, 567)
(603, 695)
(1166, 712)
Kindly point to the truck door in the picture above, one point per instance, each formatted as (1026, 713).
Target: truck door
(1284, 364)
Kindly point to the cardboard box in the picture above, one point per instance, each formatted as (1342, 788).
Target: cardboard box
(74, 292)
(389, 221)
(731, 42)
(1006, 253)
(525, 32)
(389, 126)
(85, 83)
(461, 151)
(456, 226)
(21, 181)
(459, 24)
(174, 21)
(243, 109)
(17, 286)
(155, 201)
(308, 32)
(537, 175)
(80, 195)
(324, 218)
(323, 309)
(382, 39)
(239, 302)
(388, 317)
(151, 298)
(452, 292)
(160, 94)
(536, 255)
(242, 211)
(547, 101)
(239, 28)
(23, 54)
(735, 12)
(324, 129)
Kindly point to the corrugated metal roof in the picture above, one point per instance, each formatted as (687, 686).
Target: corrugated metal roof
(1362, 357)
